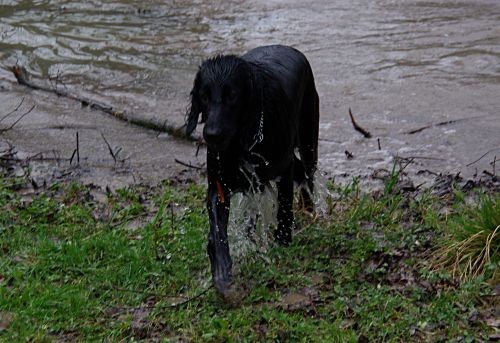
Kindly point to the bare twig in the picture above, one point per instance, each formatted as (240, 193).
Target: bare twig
(72, 156)
(378, 142)
(328, 140)
(359, 128)
(55, 80)
(349, 155)
(422, 158)
(113, 153)
(480, 158)
(76, 151)
(42, 158)
(446, 122)
(77, 148)
(13, 111)
(427, 171)
(408, 160)
(189, 165)
(18, 119)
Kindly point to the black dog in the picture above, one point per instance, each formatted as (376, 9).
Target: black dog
(257, 109)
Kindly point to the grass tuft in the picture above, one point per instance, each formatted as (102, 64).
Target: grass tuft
(472, 242)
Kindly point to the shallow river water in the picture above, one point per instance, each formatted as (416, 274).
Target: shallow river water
(399, 65)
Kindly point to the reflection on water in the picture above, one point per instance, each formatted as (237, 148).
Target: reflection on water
(398, 64)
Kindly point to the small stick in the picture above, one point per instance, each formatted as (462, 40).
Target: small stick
(427, 171)
(14, 110)
(441, 123)
(77, 148)
(72, 156)
(359, 128)
(76, 151)
(422, 158)
(19, 119)
(378, 142)
(189, 165)
(328, 140)
(199, 144)
(349, 155)
(486, 153)
(109, 147)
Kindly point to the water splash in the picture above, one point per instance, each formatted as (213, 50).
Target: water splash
(252, 221)
(253, 216)
(323, 194)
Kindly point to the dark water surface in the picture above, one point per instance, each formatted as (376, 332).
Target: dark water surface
(400, 65)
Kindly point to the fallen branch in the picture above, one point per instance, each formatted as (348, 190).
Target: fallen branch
(442, 123)
(25, 79)
(359, 128)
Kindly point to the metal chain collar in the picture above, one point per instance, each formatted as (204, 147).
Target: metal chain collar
(259, 135)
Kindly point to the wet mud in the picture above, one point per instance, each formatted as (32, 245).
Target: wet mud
(421, 77)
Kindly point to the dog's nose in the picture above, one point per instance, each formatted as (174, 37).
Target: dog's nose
(212, 134)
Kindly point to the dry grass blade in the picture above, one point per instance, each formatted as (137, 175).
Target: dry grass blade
(468, 258)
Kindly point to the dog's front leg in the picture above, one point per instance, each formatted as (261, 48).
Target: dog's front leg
(218, 246)
(283, 234)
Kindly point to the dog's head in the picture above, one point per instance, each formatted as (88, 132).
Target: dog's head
(221, 93)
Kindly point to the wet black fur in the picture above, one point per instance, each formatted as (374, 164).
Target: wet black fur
(232, 94)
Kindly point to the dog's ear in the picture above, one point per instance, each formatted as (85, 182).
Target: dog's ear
(194, 111)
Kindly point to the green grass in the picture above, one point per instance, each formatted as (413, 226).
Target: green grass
(74, 268)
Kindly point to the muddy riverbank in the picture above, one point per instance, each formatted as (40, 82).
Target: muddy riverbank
(422, 77)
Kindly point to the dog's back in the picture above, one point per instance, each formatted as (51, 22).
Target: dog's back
(286, 65)
(290, 68)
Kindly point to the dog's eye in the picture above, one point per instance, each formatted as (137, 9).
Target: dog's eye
(231, 96)
(205, 97)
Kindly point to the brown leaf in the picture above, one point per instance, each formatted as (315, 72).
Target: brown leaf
(6, 319)
(494, 322)
(318, 279)
(295, 301)
(140, 325)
